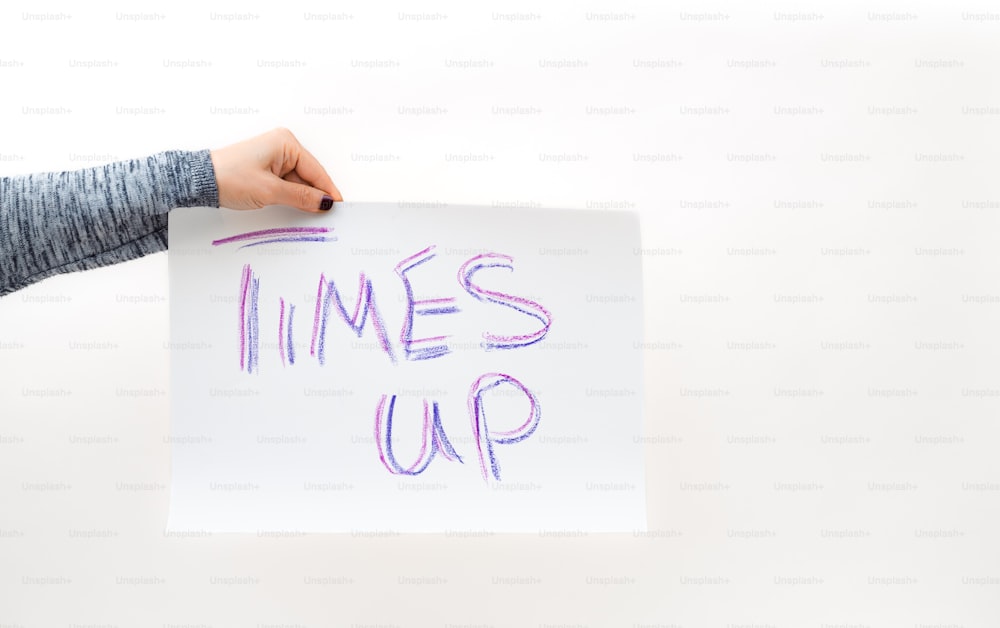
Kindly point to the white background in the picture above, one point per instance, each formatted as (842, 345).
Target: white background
(817, 189)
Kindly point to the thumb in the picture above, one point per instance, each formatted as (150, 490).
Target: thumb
(304, 197)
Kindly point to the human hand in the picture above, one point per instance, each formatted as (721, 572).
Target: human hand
(272, 169)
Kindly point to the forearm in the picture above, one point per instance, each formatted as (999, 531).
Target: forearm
(60, 222)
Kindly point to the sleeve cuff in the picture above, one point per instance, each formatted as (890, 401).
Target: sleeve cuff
(204, 190)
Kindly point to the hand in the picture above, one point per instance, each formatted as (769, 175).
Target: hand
(272, 169)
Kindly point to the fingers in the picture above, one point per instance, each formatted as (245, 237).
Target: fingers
(272, 168)
(299, 160)
(309, 170)
(293, 194)
(294, 178)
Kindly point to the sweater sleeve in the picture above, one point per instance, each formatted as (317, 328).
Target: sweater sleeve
(62, 222)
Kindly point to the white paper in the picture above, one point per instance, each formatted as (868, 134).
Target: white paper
(264, 439)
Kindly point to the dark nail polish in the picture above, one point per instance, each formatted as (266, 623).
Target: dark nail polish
(326, 203)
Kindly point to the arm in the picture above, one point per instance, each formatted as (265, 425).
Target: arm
(61, 222)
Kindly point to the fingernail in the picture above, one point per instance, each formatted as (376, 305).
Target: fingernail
(326, 203)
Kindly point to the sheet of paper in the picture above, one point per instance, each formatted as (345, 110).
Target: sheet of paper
(404, 368)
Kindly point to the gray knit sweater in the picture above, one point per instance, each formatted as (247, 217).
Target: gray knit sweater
(61, 222)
